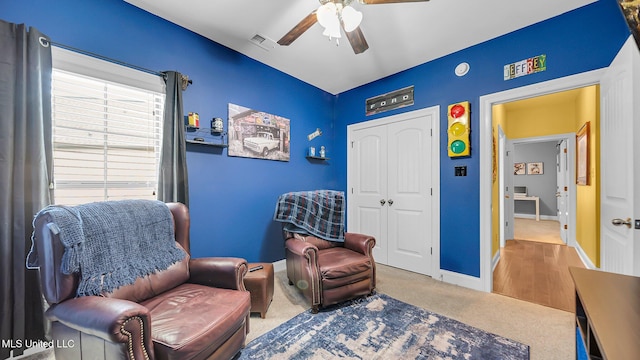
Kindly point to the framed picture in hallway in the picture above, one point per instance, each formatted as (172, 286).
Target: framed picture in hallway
(535, 168)
(582, 155)
(519, 168)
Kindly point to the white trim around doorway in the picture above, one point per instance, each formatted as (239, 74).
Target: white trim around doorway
(486, 173)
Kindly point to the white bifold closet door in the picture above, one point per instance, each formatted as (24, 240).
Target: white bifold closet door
(390, 173)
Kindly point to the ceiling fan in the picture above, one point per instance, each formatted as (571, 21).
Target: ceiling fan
(334, 15)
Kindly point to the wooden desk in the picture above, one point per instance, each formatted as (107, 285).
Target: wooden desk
(608, 313)
(530, 198)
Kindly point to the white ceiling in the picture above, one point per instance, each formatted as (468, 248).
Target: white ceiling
(400, 36)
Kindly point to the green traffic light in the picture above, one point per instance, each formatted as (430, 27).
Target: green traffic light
(458, 146)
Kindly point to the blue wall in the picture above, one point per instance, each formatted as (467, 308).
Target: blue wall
(582, 40)
(232, 199)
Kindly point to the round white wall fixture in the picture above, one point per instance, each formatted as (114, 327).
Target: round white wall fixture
(462, 69)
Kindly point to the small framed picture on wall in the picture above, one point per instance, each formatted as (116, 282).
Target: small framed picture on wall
(519, 168)
(535, 168)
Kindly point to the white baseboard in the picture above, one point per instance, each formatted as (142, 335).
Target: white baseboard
(450, 277)
(583, 256)
(280, 265)
(494, 261)
(533, 216)
(467, 281)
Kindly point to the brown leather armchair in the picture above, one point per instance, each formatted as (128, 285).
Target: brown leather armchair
(195, 309)
(330, 272)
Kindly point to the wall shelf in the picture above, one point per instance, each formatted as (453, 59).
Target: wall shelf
(206, 136)
(317, 158)
(207, 143)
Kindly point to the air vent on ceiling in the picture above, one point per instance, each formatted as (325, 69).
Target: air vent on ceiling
(263, 42)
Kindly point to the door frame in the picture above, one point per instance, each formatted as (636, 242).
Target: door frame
(563, 180)
(505, 180)
(485, 282)
(434, 111)
(571, 159)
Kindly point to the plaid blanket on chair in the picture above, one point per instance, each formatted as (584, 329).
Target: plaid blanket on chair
(319, 213)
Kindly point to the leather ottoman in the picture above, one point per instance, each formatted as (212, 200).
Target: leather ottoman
(260, 284)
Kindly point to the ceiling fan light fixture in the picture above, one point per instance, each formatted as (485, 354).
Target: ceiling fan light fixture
(326, 13)
(332, 32)
(351, 18)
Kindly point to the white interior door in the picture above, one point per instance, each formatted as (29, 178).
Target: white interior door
(562, 189)
(391, 173)
(367, 206)
(620, 128)
(408, 203)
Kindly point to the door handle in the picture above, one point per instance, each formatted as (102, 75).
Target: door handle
(390, 202)
(382, 202)
(618, 222)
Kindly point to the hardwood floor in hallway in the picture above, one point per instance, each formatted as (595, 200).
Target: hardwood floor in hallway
(535, 266)
(547, 231)
(537, 272)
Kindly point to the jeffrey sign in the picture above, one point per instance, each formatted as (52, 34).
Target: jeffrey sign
(525, 67)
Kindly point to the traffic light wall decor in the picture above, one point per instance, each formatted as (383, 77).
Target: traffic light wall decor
(458, 129)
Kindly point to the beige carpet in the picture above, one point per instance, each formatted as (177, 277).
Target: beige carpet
(547, 231)
(548, 332)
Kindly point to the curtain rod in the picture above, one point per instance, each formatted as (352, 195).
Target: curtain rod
(101, 57)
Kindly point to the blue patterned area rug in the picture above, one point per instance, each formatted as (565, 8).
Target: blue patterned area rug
(380, 327)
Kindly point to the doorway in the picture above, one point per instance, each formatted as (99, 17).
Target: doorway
(489, 242)
(543, 199)
(535, 196)
(549, 221)
(537, 148)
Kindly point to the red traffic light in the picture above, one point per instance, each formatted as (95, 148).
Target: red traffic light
(457, 111)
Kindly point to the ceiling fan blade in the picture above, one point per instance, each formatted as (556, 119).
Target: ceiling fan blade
(389, 1)
(357, 40)
(299, 29)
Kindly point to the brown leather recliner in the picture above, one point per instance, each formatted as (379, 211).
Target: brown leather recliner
(195, 309)
(330, 272)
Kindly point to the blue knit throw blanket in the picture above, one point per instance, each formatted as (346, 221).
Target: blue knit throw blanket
(112, 243)
(319, 213)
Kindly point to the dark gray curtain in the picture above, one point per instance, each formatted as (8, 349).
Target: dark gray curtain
(173, 182)
(25, 174)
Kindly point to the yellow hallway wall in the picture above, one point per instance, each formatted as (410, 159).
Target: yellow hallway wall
(588, 196)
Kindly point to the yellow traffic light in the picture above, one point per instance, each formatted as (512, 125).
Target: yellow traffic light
(458, 129)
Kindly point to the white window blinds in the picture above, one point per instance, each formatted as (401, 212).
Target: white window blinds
(106, 139)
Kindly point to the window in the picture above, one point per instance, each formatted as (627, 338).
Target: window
(106, 134)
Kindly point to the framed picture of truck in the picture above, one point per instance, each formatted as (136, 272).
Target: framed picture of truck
(256, 134)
